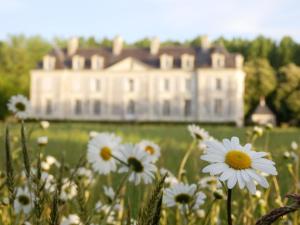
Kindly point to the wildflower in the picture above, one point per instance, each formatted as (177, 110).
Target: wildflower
(23, 202)
(269, 126)
(139, 164)
(42, 141)
(72, 219)
(20, 106)
(183, 195)
(200, 213)
(109, 192)
(44, 124)
(258, 131)
(69, 190)
(294, 146)
(210, 182)
(101, 152)
(198, 133)
(170, 179)
(218, 194)
(85, 174)
(237, 164)
(93, 134)
(151, 148)
(103, 208)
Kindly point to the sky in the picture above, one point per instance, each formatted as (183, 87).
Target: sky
(135, 19)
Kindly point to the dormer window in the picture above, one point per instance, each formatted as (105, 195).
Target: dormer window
(187, 62)
(97, 62)
(48, 62)
(218, 60)
(77, 62)
(166, 62)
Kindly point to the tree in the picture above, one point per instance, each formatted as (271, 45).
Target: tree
(17, 57)
(286, 51)
(260, 81)
(287, 96)
(143, 43)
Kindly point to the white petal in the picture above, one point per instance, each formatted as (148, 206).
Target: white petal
(232, 181)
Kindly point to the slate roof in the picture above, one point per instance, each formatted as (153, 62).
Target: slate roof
(202, 57)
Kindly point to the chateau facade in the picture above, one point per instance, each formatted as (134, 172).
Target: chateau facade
(204, 84)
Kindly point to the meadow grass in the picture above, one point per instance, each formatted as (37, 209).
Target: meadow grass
(70, 139)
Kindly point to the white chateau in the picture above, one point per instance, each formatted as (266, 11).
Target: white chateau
(204, 84)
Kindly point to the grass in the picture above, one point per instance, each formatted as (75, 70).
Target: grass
(71, 139)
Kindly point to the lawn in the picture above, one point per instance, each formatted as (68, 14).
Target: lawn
(70, 139)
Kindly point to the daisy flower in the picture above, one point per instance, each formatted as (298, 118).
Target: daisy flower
(235, 163)
(184, 196)
(85, 175)
(294, 145)
(44, 124)
(72, 219)
(170, 179)
(139, 164)
(20, 106)
(68, 190)
(109, 192)
(101, 150)
(198, 133)
(23, 202)
(151, 148)
(42, 141)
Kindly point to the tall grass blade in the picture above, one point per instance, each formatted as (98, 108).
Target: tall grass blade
(10, 182)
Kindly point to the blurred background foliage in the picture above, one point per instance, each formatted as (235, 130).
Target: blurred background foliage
(272, 67)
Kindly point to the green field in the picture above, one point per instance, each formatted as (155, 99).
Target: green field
(71, 139)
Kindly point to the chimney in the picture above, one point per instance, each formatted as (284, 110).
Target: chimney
(117, 45)
(205, 43)
(73, 45)
(239, 61)
(154, 46)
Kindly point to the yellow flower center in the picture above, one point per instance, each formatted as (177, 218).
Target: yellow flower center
(150, 150)
(238, 160)
(105, 153)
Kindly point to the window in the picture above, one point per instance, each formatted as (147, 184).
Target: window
(131, 107)
(166, 85)
(131, 85)
(218, 60)
(187, 61)
(166, 61)
(48, 107)
(77, 62)
(96, 85)
(78, 107)
(48, 62)
(218, 84)
(97, 62)
(218, 109)
(188, 84)
(97, 107)
(187, 107)
(166, 108)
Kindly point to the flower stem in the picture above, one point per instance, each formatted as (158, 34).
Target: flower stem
(229, 219)
(184, 160)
